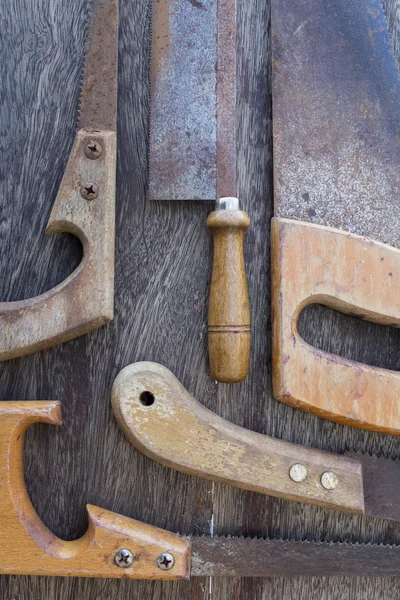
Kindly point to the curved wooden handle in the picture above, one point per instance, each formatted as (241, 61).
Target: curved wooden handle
(85, 299)
(167, 424)
(94, 554)
(312, 264)
(229, 310)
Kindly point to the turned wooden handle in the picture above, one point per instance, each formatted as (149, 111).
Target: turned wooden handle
(229, 310)
(161, 418)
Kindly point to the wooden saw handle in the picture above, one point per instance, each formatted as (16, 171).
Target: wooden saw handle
(229, 310)
(312, 264)
(85, 299)
(167, 424)
(23, 534)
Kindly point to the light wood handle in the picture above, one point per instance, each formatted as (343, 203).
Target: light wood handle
(229, 310)
(312, 264)
(93, 555)
(85, 299)
(167, 424)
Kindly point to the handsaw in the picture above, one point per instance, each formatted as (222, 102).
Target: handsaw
(166, 423)
(119, 547)
(336, 132)
(192, 154)
(84, 206)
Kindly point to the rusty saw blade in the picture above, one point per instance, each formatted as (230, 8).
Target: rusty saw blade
(258, 557)
(98, 99)
(336, 116)
(192, 152)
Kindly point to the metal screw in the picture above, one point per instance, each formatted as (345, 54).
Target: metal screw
(89, 191)
(329, 480)
(93, 150)
(123, 558)
(165, 561)
(298, 472)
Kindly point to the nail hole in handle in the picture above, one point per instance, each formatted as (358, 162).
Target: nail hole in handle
(147, 398)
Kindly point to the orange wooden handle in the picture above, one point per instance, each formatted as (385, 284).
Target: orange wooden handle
(96, 554)
(229, 310)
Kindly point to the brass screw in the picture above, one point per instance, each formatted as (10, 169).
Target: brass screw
(329, 480)
(298, 472)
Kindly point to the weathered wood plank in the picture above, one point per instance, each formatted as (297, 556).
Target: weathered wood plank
(163, 267)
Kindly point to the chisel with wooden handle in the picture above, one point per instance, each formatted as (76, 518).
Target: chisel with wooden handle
(192, 154)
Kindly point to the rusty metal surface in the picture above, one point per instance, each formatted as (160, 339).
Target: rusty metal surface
(226, 99)
(336, 111)
(245, 557)
(98, 102)
(381, 485)
(193, 100)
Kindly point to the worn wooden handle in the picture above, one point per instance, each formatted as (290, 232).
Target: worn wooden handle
(85, 299)
(167, 424)
(22, 533)
(229, 310)
(312, 264)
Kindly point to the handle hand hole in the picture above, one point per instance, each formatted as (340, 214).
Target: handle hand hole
(350, 337)
(147, 398)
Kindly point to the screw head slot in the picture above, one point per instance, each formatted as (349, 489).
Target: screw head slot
(89, 191)
(93, 150)
(165, 561)
(123, 558)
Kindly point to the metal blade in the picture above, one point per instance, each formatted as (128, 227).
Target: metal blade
(98, 102)
(245, 557)
(336, 111)
(192, 154)
(381, 480)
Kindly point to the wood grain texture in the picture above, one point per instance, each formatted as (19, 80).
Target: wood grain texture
(312, 264)
(85, 299)
(229, 308)
(92, 555)
(163, 266)
(170, 426)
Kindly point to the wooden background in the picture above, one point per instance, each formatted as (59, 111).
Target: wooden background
(163, 264)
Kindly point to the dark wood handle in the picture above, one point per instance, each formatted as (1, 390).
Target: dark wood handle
(229, 310)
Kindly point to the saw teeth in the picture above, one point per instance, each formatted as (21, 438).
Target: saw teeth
(367, 454)
(263, 540)
(150, 19)
(86, 46)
